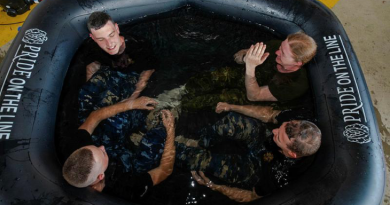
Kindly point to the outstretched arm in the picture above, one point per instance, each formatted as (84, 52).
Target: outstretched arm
(255, 56)
(142, 103)
(264, 113)
(167, 161)
(142, 82)
(236, 194)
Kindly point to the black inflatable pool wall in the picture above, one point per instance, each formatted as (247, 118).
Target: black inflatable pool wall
(349, 168)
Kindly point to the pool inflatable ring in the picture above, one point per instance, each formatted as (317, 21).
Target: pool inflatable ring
(349, 168)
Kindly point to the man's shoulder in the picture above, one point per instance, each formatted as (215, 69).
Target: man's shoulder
(126, 185)
(76, 139)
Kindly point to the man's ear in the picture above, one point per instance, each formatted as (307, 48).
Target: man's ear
(90, 35)
(101, 176)
(292, 154)
(299, 63)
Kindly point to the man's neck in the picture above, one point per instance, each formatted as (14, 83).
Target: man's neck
(289, 70)
(123, 46)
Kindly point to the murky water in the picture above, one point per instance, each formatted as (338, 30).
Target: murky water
(186, 43)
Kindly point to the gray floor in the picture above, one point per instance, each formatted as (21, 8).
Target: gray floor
(367, 25)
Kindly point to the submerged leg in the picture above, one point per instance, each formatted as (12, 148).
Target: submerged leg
(205, 90)
(234, 126)
(209, 101)
(209, 82)
(106, 87)
(231, 168)
(150, 149)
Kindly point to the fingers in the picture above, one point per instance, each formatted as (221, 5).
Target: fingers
(264, 57)
(168, 119)
(145, 103)
(152, 102)
(150, 105)
(221, 107)
(166, 115)
(203, 176)
(250, 50)
(261, 49)
(257, 48)
(198, 178)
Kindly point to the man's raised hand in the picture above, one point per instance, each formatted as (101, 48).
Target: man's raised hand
(256, 54)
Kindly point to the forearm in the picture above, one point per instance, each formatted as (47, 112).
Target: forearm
(138, 89)
(264, 113)
(236, 194)
(103, 113)
(255, 92)
(251, 85)
(141, 84)
(135, 94)
(167, 161)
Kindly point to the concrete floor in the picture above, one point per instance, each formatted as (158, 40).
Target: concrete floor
(367, 25)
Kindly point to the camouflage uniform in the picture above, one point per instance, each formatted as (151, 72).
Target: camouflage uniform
(226, 84)
(232, 168)
(108, 87)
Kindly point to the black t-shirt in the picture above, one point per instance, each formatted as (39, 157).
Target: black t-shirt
(126, 185)
(289, 86)
(276, 169)
(118, 183)
(137, 56)
(75, 141)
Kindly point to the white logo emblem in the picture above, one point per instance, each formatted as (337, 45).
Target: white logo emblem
(34, 36)
(357, 133)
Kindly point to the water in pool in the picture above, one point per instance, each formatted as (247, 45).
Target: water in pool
(186, 43)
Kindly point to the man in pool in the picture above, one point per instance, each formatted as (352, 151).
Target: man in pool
(124, 53)
(268, 163)
(90, 165)
(113, 81)
(291, 80)
(110, 110)
(284, 79)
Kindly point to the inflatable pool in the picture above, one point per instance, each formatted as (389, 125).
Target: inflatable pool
(349, 167)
